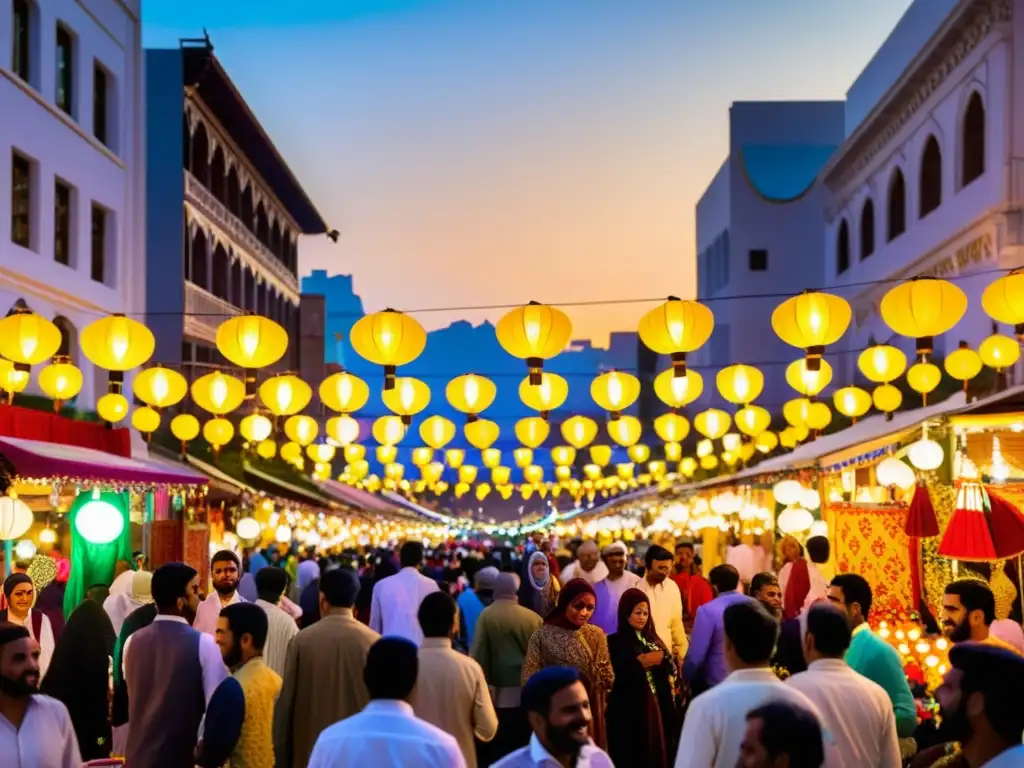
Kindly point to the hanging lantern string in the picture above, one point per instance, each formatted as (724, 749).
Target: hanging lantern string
(838, 289)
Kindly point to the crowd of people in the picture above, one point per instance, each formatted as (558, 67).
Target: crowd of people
(511, 657)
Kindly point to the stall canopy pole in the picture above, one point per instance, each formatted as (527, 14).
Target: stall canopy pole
(8, 557)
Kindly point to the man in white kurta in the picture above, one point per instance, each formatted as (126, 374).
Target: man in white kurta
(855, 711)
(666, 600)
(716, 721)
(609, 591)
(396, 599)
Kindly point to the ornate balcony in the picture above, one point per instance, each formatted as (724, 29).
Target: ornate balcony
(204, 312)
(201, 198)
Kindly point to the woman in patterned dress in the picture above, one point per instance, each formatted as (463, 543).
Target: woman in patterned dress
(567, 640)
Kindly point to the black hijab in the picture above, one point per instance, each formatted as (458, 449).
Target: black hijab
(78, 676)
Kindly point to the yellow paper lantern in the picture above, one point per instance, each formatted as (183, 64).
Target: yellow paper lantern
(766, 442)
(301, 429)
(532, 431)
(481, 433)
(533, 474)
(394, 472)
(422, 455)
(812, 321)
(218, 393)
(788, 437)
(579, 431)
(252, 341)
(255, 427)
(218, 433)
(671, 427)
(678, 391)
(471, 394)
(615, 391)
(482, 491)
(924, 378)
(887, 398)
(490, 457)
(705, 447)
(454, 457)
(534, 333)
(354, 453)
(523, 457)
(390, 339)
(112, 407)
(386, 454)
(285, 394)
(1003, 301)
(145, 420)
(406, 398)
(600, 454)
(389, 430)
(740, 384)
(852, 402)
(185, 427)
(673, 451)
(160, 387)
(806, 381)
(712, 423)
(709, 462)
(752, 420)
(795, 411)
(27, 339)
(117, 344)
(437, 432)
(344, 392)
(545, 397)
(501, 475)
(963, 363)
(923, 308)
(819, 416)
(344, 430)
(60, 380)
(562, 455)
(467, 474)
(688, 466)
(12, 380)
(625, 430)
(320, 453)
(266, 449)
(731, 442)
(882, 363)
(676, 328)
(998, 351)
(563, 474)
(291, 451)
(639, 453)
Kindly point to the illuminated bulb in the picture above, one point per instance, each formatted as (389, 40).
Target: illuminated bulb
(941, 644)
(932, 661)
(904, 649)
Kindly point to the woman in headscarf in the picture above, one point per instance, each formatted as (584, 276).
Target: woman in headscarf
(643, 722)
(538, 589)
(20, 592)
(79, 677)
(43, 571)
(118, 606)
(567, 639)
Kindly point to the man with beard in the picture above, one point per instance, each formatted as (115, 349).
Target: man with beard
(968, 610)
(241, 712)
(172, 672)
(789, 653)
(587, 566)
(559, 712)
(225, 571)
(666, 600)
(35, 730)
(694, 588)
(977, 699)
(610, 590)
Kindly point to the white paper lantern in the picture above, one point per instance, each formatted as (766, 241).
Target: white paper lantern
(15, 517)
(794, 520)
(810, 499)
(819, 528)
(926, 454)
(25, 550)
(283, 534)
(98, 521)
(247, 528)
(788, 492)
(893, 473)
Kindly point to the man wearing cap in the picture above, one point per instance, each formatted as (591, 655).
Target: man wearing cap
(980, 701)
(587, 566)
(610, 589)
(35, 730)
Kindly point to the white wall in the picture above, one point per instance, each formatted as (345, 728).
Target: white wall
(59, 145)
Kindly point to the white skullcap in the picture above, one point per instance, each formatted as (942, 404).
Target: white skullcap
(615, 548)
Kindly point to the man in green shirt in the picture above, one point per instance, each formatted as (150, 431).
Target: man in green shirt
(869, 654)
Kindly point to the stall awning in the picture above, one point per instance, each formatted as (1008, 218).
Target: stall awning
(36, 459)
(356, 497)
(277, 487)
(412, 506)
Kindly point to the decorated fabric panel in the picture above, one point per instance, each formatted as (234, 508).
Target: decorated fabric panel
(870, 541)
(100, 536)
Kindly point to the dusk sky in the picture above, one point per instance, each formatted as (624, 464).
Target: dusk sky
(497, 151)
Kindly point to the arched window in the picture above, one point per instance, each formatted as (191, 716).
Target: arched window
(217, 174)
(843, 248)
(234, 201)
(867, 229)
(246, 208)
(896, 223)
(931, 177)
(220, 272)
(973, 150)
(200, 155)
(261, 299)
(198, 273)
(262, 225)
(249, 291)
(236, 284)
(68, 337)
(275, 239)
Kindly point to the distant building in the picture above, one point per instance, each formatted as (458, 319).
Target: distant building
(72, 157)
(225, 212)
(759, 228)
(929, 180)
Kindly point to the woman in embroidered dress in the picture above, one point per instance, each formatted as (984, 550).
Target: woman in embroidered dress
(643, 713)
(566, 639)
(20, 592)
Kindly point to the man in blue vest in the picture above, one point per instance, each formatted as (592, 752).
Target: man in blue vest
(172, 671)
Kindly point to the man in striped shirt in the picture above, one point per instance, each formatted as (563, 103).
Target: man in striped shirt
(271, 583)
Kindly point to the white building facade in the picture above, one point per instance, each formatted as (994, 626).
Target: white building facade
(930, 181)
(72, 144)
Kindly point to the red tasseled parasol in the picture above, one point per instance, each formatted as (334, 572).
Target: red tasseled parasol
(921, 521)
(984, 526)
(1007, 525)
